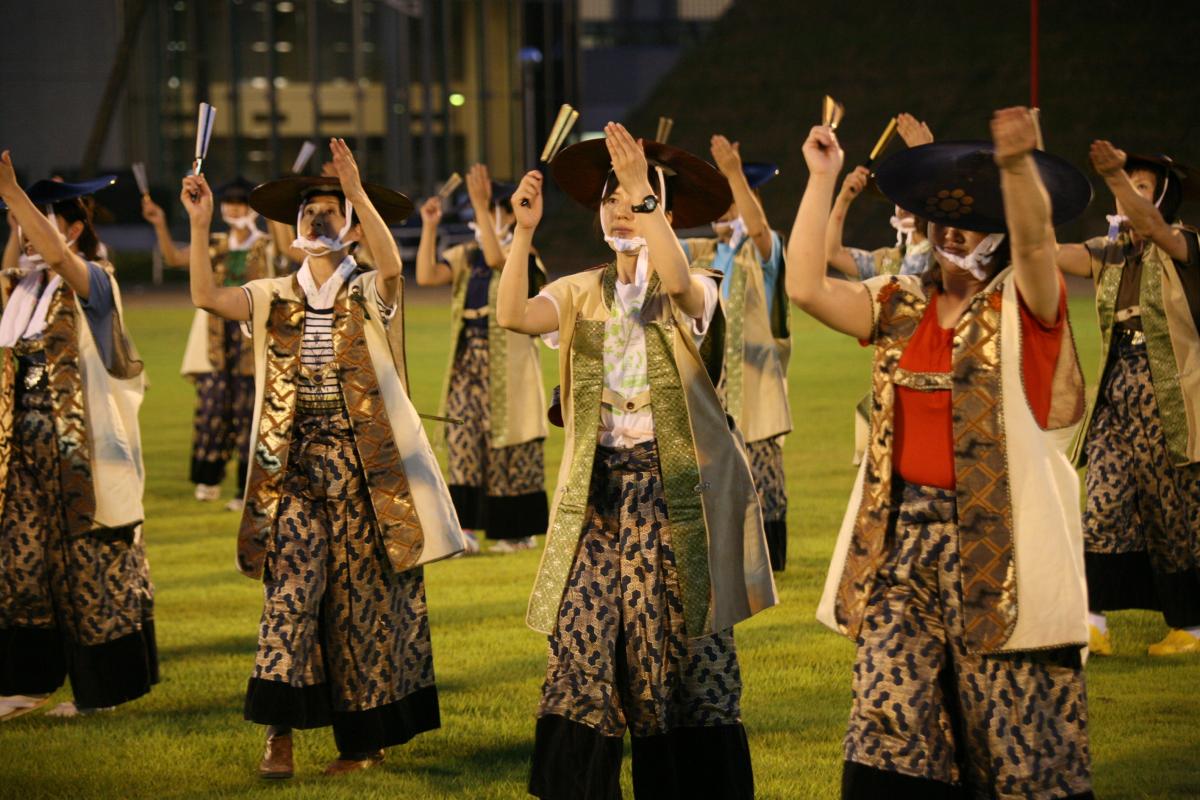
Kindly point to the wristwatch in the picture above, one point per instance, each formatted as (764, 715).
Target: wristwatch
(647, 206)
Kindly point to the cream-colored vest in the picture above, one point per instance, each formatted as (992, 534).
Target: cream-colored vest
(758, 402)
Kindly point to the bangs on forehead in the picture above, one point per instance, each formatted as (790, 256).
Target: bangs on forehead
(322, 194)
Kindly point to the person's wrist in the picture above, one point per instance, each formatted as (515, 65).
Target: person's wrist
(641, 192)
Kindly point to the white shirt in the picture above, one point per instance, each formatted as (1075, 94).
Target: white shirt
(625, 356)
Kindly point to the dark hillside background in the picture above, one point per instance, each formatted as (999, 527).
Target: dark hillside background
(1129, 72)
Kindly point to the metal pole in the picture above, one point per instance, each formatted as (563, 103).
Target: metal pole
(481, 80)
(272, 99)
(360, 98)
(1033, 54)
(391, 149)
(235, 77)
(404, 98)
(112, 89)
(314, 68)
(444, 78)
(427, 165)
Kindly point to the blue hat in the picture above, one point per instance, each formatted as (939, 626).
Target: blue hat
(958, 183)
(759, 172)
(47, 192)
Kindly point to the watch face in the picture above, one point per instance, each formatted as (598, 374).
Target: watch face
(651, 202)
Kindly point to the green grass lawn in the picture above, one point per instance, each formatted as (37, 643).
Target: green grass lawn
(187, 738)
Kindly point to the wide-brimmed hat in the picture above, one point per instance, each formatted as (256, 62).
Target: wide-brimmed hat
(1182, 182)
(236, 191)
(47, 192)
(958, 184)
(281, 199)
(759, 172)
(698, 193)
(501, 191)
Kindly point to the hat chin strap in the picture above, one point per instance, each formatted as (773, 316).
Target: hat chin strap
(975, 262)
(323, 245)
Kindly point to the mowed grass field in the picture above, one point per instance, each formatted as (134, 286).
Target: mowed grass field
(187, 738)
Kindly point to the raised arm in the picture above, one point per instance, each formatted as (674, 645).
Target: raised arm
(429, 271)
(914, 132)
(376, 232)
(479, 190)
(229, 302)
(842, 305)
(1027, 212)
(1144, 217)
(173, 255)
(12, 247)
(41, 232)
(1074, 259)
(728, 159)
(666, 253)
(837, 255)
(515, 309)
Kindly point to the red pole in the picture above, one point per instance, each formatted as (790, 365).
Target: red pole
(1033, 53)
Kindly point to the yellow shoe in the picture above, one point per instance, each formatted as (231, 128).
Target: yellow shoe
(1099, 644)
(1176, 642)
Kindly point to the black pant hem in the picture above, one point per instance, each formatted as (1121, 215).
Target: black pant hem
(777, 543)
(32, 661)
(210, 473)
(513, 517)
(108, 674)
(1118, 581)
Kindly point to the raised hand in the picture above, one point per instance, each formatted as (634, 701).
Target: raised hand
(1013, 134)
(1106, 159)
(854, 184)
(151, 211)
(726, 155)
(346, 168)
(8, 174)
(912, 131)
(197, 199)
(822, 153)
(527, 200)
(479, 187)
(431, 211)
(628, 161)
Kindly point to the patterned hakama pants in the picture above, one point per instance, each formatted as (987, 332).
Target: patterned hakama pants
(71, 605)
(1142, 519)
(766, 465)
(497, 489)
(344, 638)
(224, 414)
(620, 660)
(932, 720)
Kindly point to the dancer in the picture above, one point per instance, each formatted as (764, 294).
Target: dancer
(75, 595)
(345, 500)
(960, 578)
(749, 256)
(656, 545)
(1141, 442)
(218, 358)
(912, 253)
(494, 380)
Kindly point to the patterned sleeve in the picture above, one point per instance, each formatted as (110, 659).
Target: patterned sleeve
(865, 262)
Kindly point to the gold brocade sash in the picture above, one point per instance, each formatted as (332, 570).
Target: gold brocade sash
(985, 520)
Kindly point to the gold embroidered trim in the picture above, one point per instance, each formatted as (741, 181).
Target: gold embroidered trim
(923, 381)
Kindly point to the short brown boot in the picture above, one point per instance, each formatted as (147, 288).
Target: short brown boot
(344, 765)
(277, 759)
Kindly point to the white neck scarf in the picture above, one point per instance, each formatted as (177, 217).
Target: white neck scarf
(1115, 221)
(905, 227)
(977, 260)
(322, 297)
(323, 245)
(25, 315)
(738, 226)
(504, 234)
